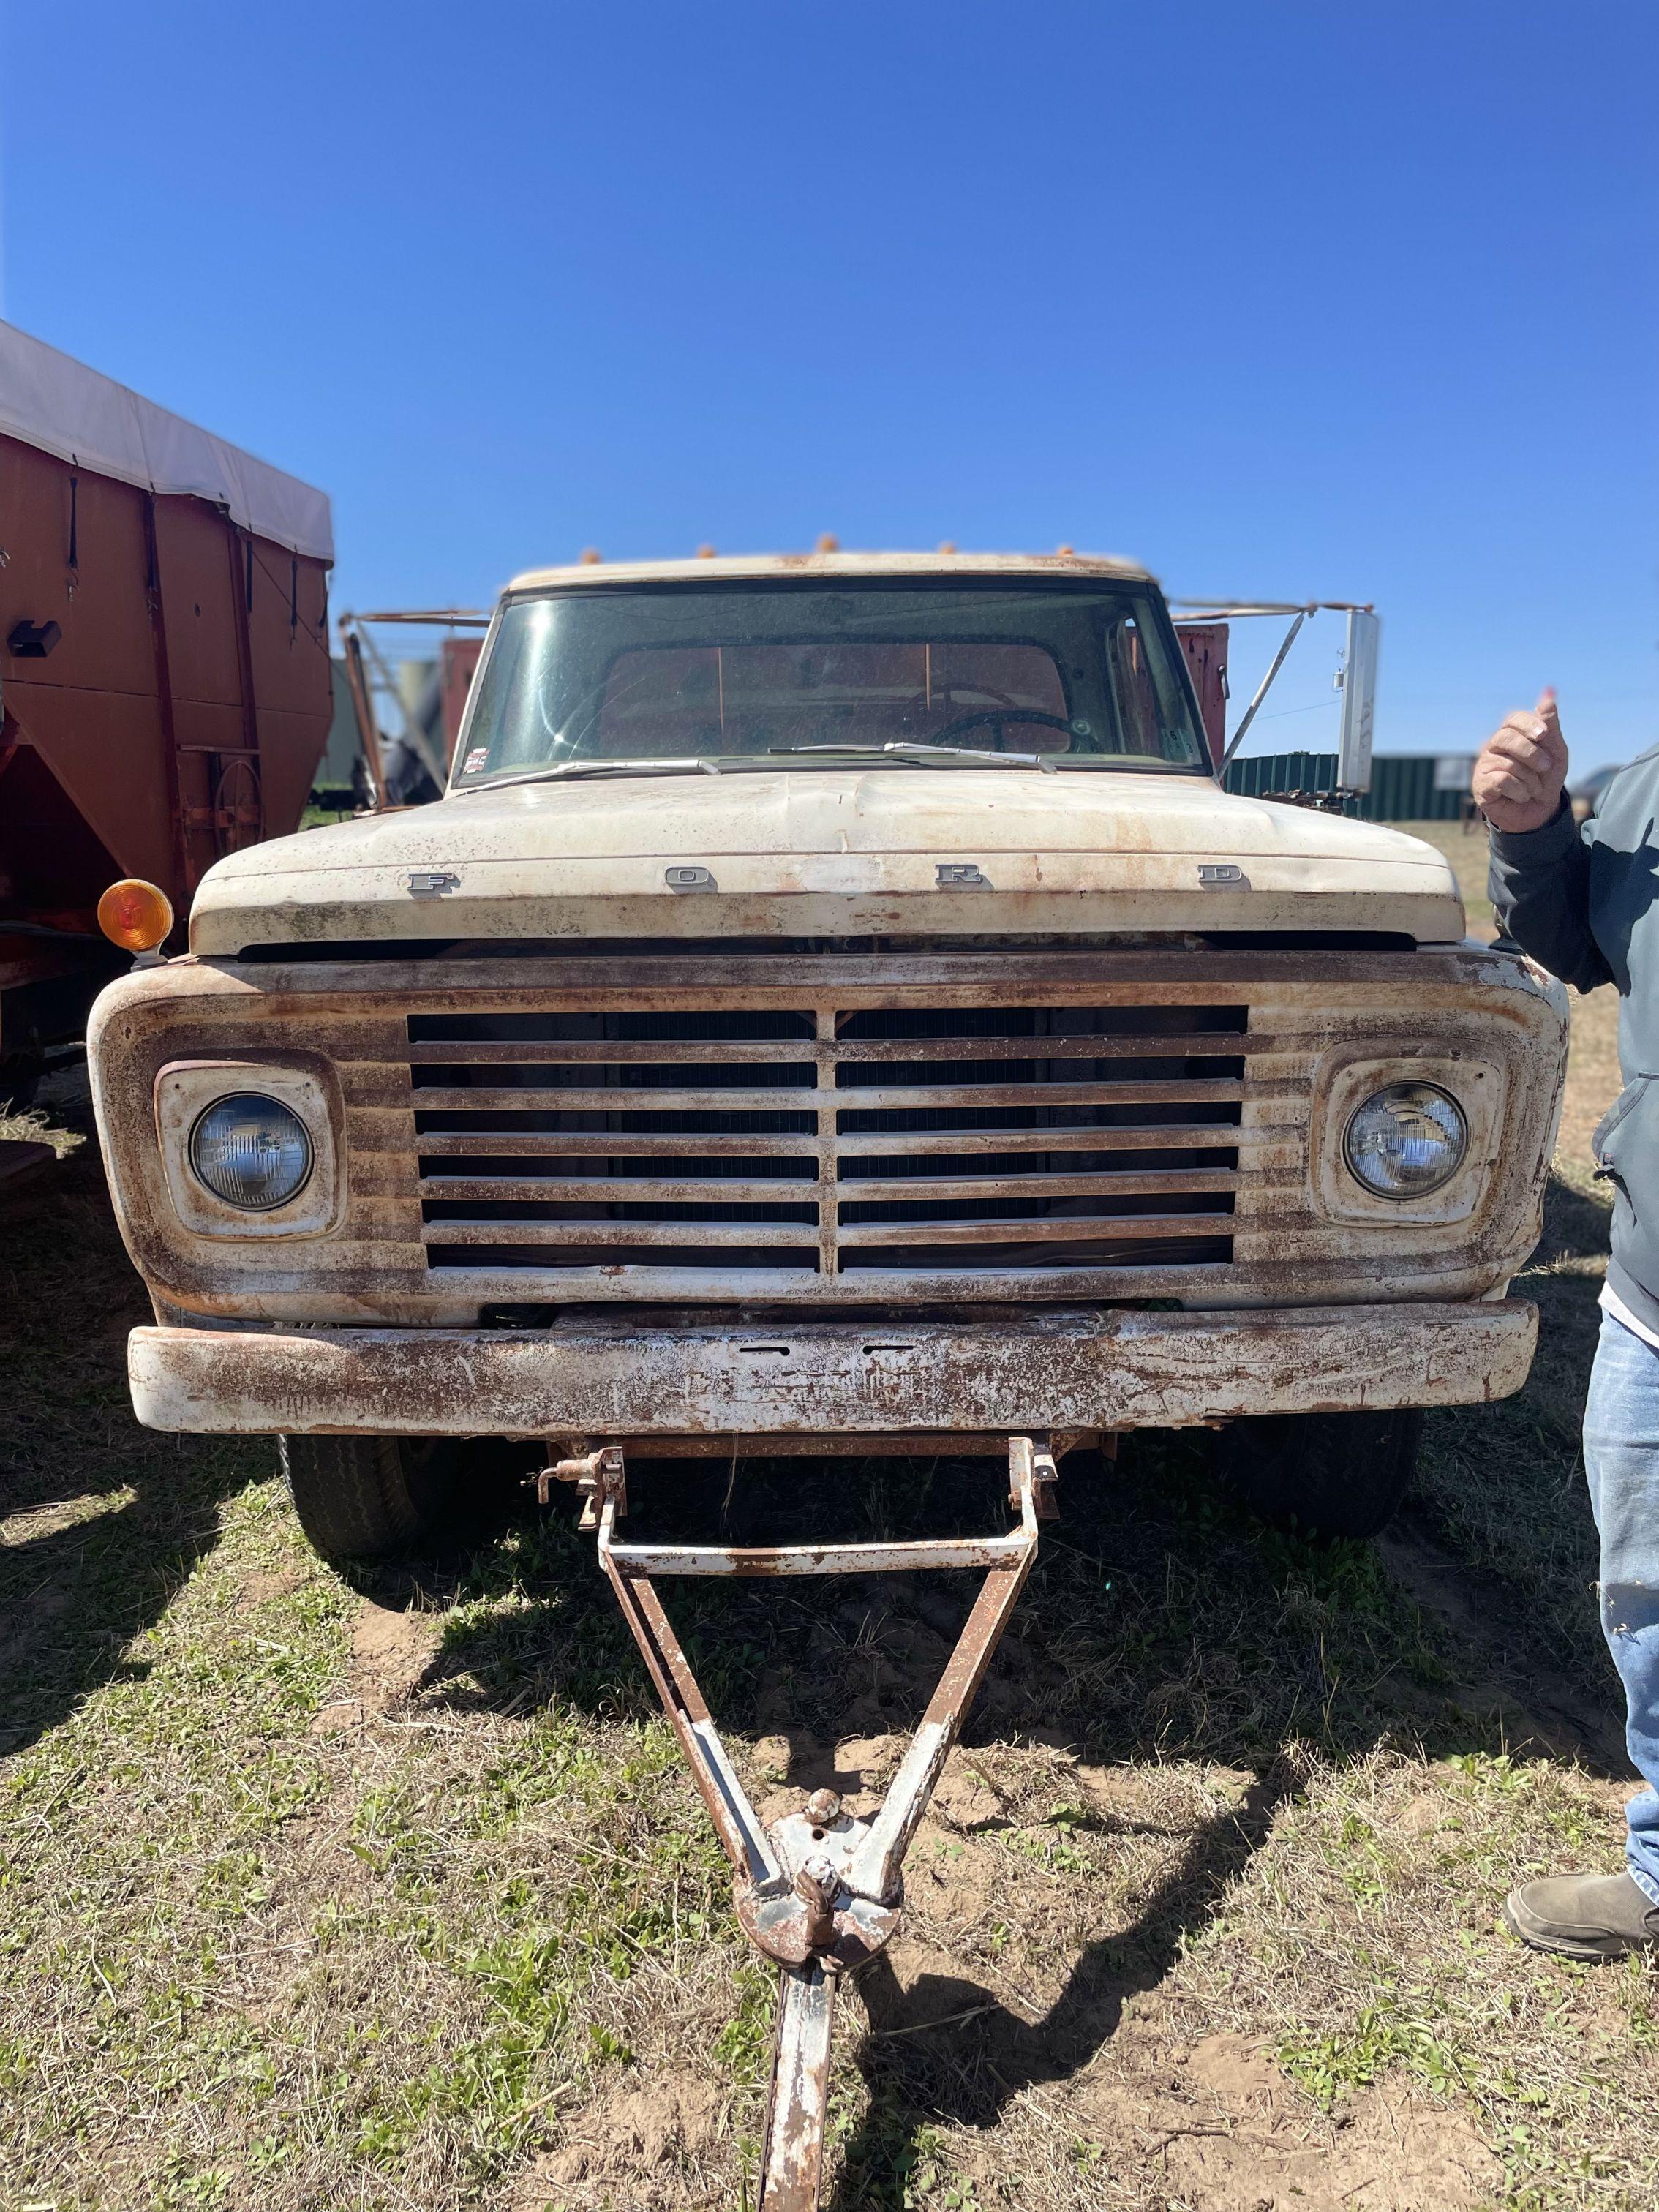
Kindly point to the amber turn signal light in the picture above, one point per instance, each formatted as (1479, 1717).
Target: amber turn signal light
(134, 915)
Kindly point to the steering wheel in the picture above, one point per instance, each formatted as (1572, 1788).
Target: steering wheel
(988, 717)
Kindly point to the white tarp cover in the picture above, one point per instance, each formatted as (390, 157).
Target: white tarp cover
(59, 404)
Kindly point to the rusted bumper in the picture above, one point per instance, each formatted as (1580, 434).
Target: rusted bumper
(1015, 1373)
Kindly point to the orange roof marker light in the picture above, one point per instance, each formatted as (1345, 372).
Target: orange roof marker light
(134, 915)
(705, 552)
(591, 557)
(828, 543)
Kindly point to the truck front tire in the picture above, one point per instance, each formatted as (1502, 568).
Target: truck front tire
(372, 1497)
(1333, 1474)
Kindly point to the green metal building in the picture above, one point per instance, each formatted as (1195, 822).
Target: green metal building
(1405, 786)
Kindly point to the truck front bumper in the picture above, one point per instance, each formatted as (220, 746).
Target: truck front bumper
(812, 1382)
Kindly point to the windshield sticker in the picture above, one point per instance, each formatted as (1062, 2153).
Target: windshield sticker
(477, 758)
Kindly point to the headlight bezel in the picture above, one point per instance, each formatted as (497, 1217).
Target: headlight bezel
(307, 1086)
(1345, 1075)
(1400, 1091)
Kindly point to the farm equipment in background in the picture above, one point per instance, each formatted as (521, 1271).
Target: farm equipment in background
(165, 688)
(410, 765)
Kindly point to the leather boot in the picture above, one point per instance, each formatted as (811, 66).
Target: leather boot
(1583, 1915)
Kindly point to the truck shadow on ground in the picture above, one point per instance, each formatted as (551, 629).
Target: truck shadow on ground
(918, 2073)
(104, 1520)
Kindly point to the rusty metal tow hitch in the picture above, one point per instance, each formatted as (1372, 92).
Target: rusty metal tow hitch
(820, 1891)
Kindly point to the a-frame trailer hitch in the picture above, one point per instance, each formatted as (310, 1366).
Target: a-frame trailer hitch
(820, 1891)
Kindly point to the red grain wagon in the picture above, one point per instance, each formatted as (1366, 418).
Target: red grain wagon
(165, 688)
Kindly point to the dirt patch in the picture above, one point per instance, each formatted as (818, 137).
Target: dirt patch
(644, 2140)
(959, 1878)
(339, 1716)
(964, 1798)
(865, 1765)
(1228, 2133)
(260, 1587)
(389, 1653)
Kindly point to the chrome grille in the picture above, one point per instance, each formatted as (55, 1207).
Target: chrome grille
(813, 1140)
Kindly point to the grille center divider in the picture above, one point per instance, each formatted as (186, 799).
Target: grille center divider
(901, 1139)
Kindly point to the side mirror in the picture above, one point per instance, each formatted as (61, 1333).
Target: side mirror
(1358, 683)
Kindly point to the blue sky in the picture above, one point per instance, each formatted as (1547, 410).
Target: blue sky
(1286, 300)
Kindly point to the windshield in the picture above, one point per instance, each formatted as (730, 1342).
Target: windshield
(1083, 675)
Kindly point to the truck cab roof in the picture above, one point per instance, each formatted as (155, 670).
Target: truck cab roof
(783, 568)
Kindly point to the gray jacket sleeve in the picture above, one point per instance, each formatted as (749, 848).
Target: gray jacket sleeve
(1541, 887)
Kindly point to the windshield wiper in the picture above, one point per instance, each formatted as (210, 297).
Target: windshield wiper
(678, 765)
(920, 752)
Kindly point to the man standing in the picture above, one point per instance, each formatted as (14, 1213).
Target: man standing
(1582, 904)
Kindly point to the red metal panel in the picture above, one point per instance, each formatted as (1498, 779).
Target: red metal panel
(48, 508)
(117, 776)
(88, 712)
(457, 666)
(287, 630)
(293, 682)
(197, 585)
(244, 763)
(1205, 645)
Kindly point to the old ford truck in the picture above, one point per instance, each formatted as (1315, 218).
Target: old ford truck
(835, 1006)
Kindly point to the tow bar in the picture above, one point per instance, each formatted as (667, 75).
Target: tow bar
(820, 1891)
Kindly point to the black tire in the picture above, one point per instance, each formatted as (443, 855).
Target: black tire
(372, 1497)
(1332, 1474)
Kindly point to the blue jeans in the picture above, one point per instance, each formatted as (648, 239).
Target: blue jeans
(1622, 1460)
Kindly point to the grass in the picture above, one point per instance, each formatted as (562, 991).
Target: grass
(33, 1125)
(317, 1894)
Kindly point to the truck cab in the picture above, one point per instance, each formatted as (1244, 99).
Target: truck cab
(833, 1007)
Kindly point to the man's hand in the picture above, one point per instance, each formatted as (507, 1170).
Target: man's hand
(1522, 766)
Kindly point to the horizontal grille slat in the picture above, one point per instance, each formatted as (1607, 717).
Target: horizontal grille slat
(526, 1100)
(1003, 1259)
(624, 1189)
(540, 1081)
(888, 1051)
(1144, 1228)
(899, 1139)
(488, 1052)
(1147, 1018)
(582, 1144)
(1158, 1090)
(616, 1232)
(641, 1266)
(920, 1188)
(851, 1143)
(621, 1025)
(1076, 1082)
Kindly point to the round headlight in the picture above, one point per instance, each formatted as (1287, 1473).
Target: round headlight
(251, 1150)
(1406, 1140)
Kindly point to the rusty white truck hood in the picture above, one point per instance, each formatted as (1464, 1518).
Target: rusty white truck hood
(835, 852)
